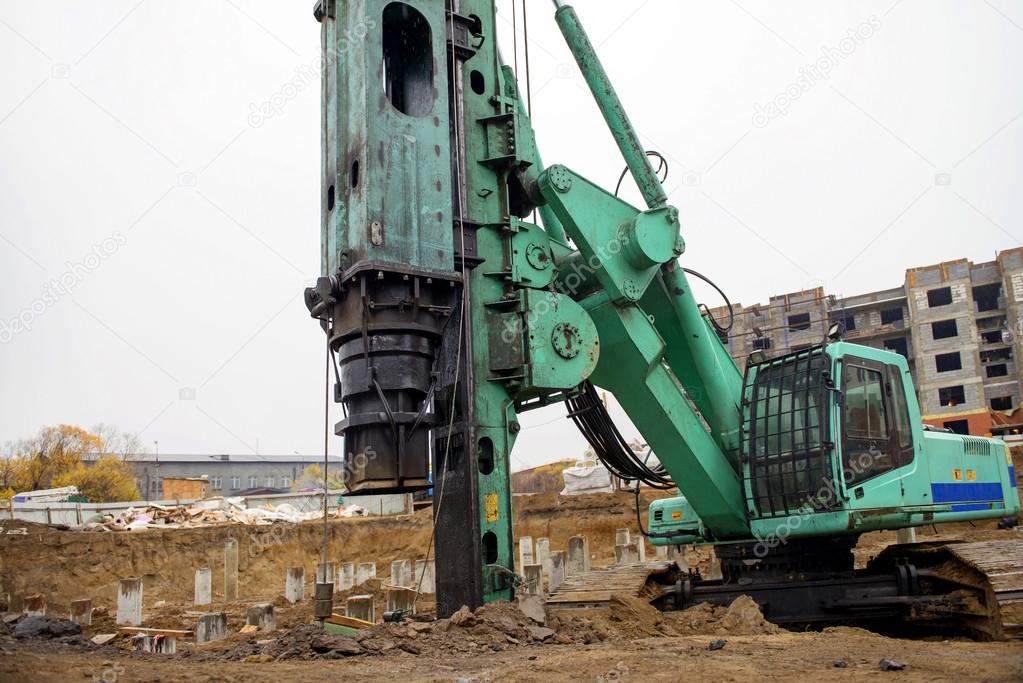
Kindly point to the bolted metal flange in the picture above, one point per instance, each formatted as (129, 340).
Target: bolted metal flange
(538, 256)
(631, 290)
(561, 179)
(565, 339)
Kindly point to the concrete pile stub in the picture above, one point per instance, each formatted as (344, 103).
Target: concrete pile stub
(34, 605)
(294, 585)
(231, 570)
(261, 615)
(325, 573)
(578, 556)
(203, 586)
(361, 607)
(533, 584)
(426, 576)
(907, 535)
(526, 551)
(556, 576)
(164, 645)
(364, 571)
(81, 612)
(543, 550)
(211, 626)
(401, 573)
(346, 576)
(401, 599)
(674, 553)
(129, 602)
(627, 553)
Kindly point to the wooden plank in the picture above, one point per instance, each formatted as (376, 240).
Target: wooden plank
(350, 622)
(142, 631)
(597, 587)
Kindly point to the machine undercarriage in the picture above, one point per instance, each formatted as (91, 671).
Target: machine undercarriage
(908, 589)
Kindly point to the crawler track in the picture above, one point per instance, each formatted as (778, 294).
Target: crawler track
(971, 588)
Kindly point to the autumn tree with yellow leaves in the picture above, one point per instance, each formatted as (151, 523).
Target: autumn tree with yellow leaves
(55, 458)
(312, 477)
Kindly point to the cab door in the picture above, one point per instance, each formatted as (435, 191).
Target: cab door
(870, 442)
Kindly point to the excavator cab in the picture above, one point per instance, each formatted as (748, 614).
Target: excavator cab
(833, 444)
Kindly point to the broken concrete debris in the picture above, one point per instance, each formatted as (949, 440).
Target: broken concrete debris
(891, 665)
(211, 512)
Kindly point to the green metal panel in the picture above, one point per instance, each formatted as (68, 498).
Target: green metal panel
(630, 366)
(374, 152)
(620, 247)
(697, 357)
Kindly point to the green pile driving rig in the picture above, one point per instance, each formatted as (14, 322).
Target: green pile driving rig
(449, 310)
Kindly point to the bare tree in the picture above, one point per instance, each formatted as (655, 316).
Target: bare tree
(127, 446)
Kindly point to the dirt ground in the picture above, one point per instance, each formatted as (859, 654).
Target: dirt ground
(629, 642)
(838, 654)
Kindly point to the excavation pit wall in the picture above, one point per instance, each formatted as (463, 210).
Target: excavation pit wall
(71, 565)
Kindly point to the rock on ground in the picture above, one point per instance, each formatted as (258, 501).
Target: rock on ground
(45, 627)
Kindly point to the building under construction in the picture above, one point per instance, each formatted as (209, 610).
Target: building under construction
(957, 323)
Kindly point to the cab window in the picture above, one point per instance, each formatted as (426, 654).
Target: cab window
(900, 411)
(864, 404)
(867, 447)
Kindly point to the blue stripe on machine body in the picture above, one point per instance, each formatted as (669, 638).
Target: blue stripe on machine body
(966, 492)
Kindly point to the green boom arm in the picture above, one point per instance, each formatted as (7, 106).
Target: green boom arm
(658, 355)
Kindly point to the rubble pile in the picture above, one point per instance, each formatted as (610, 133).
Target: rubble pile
(742, 618)
(491, 628)
(211, 512)
(501, 625)
(46, 628)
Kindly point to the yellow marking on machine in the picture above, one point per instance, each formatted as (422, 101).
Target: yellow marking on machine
(491, 508)
(957, 474)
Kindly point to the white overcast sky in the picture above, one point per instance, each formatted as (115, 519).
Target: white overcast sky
(129, 122)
